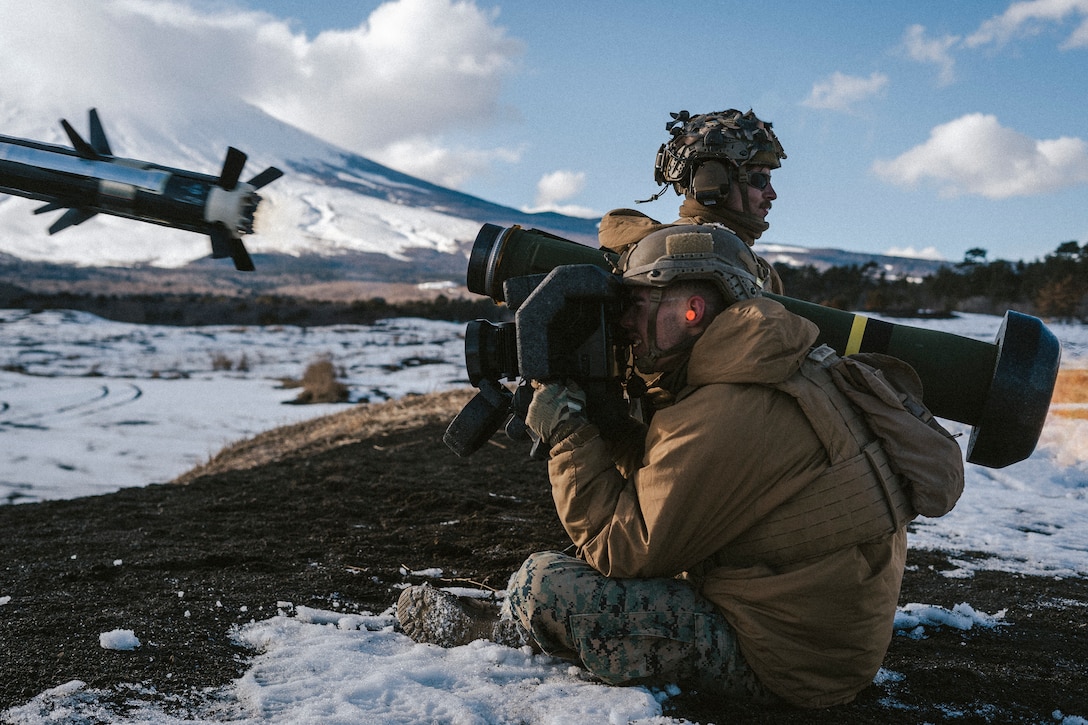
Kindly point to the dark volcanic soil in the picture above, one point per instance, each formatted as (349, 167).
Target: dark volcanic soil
(339, 524)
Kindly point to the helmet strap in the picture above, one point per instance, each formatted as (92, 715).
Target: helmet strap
(647, 362)
(742, 187)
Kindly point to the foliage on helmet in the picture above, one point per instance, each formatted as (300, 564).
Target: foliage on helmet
(734, 138)
(693, 252)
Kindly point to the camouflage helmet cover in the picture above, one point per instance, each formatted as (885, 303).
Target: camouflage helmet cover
(738, 139)
(693, 252)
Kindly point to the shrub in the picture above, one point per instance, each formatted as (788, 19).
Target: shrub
(320, 384)
(221, 362)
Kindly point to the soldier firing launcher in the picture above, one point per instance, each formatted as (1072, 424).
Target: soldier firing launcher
(1002, 389)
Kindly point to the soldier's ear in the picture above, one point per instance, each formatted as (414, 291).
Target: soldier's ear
(695, 311)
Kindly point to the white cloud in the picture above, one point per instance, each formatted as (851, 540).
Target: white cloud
(1079, 38)
(841, 92)
(975, 155)
(912, 253)
(416, 69)
(1019, 19)
(446, 166)
(161, 56)
(923, 49)
(1027, 18)
(558, 186)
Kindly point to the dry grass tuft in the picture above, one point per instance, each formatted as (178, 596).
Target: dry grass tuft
(321, 434)
(1071, 389)
(319, 384)
(1072, 386)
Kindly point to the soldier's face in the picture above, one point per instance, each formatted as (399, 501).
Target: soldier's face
(669, 327)
(759, 200)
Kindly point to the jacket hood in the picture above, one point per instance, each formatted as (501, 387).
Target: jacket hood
(753, 341)
(620, 228)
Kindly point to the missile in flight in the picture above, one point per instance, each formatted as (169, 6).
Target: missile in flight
(88, 179)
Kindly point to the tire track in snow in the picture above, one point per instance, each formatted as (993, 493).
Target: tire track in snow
(103, 398)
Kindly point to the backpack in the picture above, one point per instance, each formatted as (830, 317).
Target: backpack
(889, 461)
(888, 393)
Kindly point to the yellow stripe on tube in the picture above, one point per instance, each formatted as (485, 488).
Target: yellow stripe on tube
(857, 332)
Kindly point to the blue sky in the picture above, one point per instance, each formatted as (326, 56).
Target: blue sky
(925, 128)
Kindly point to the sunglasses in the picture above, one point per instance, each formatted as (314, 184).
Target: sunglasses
(758, 179)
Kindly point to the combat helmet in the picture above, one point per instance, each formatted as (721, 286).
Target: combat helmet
(733, 139)
(691, 252)
(688, 252)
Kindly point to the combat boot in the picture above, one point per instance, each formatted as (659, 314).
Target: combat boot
(433, 616)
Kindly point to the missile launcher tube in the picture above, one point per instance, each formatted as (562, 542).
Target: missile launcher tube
(1002, 389)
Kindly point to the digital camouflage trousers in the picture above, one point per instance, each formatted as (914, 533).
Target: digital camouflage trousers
(628, 631)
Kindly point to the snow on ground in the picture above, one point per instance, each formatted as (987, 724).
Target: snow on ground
(1030, 516)
(105, 405)
(111, 405)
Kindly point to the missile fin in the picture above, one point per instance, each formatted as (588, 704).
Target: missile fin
(98, 135)
(220, 242)
(232, 168)
(242, 261)
(51, 206)
(82, 148)
(266, 177)
(226, 245)
(71, 218)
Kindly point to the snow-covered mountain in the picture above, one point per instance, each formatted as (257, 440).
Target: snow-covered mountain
(823, 258)
(331, 204)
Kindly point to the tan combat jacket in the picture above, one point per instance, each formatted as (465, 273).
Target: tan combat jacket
(725, 454)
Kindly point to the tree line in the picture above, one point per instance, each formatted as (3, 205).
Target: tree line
(1054, 287)
(263, 309)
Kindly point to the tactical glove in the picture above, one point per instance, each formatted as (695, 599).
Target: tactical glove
(557, 410)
